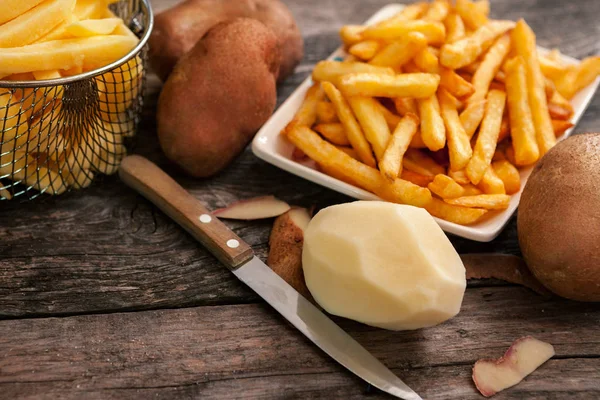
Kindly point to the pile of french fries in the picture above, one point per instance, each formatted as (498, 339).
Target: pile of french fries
(43, 145)
(438, 107)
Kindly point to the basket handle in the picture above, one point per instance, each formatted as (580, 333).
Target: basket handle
(154, 184)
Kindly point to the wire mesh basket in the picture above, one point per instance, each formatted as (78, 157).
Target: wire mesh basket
(58, 135)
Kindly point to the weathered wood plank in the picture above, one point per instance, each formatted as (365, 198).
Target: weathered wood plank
(249, 350)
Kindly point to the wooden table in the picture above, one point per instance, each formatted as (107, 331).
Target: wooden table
(102, 296)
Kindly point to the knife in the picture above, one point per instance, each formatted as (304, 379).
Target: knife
(154, 184)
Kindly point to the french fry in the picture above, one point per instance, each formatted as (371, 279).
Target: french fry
(455, 214)
(90, 53)
(509, 174)
(417, 179)
(473, 17)
(488, 137)
(391, 163)
(59, 32)
(351, 34)
(417, 142)
(90, 9)
(331, 71)
(470, 190)
(376, 85)
(93, 27)
(417, 161)
(455, 28)
(491, 183)
(368, 178)
(463, 52)
(509, 153)
(365, 50)
(485, 201)
(559, 107)
(348, 150)
(45, 16)
(489, 67)
(391, 118)
(4, 193)
(405, 105)
(401, 51)
(372, 122)
(471, 117)
(504, 128)
(437, 11)
(483, 6)
(561, 127)
(579, 77)
(333, 132)
(435, 32)
(46, 75)
(445, 187)
(326, 113)
(410, 12)
(459, 147)
(11, 9)
(411, 68)
(551, 69)
(523, 40)
(307, 113)
(427, 61)
(522, 129)
(433, 131)
(455, 84)
(459, 177)
(353, 130)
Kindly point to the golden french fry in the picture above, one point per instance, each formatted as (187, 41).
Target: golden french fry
(376, 85)
(417, 142)
(417, 179)
(59, 32)
(470, 190)
(391, 118)
(365, 50)
(485, 201)
(351, 34)
(455, 28)
(326, 113)
(459, 177)
(455, 214)
(491, 183)
(391, 163)
(435, 32)
(333, 132)
(445, 187)
(559, 107)
(411, 68)
(307, 113)
(45, 16)
(411, 12)
(90, 53)
(417, 161)
(91, 9)
(459, 147)
(522, 129)
(368, 178)
(561, 127)
(455, 84)
(523, 40)
(489, 67)
(473, 17)
(488, 137)
(348, 150)
(437, 11)
(551, 69)
(400, 51)
(93, 27)
(46, 75)
(405, 105)
(509, 174)
(372, 122)
(579, 77)
(427, 61)
(353, 130)
(463, 52)
(433, 131)
(504, 128)
(331, 71)
(11, 9)
(471, 117)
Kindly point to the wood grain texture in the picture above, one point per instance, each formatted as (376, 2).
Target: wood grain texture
(207, 351)
(106, 249)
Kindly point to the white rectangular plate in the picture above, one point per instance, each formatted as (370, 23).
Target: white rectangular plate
(270, 146)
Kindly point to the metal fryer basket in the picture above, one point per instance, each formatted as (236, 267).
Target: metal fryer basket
(57, 135)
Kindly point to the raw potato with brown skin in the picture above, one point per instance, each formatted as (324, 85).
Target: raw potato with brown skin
(285, 253)
(177, 30)
(559, 219)
(218, 96)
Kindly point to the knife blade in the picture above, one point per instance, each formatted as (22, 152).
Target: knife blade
(154, 184)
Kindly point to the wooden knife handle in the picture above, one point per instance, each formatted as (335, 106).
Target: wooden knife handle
(158, 187)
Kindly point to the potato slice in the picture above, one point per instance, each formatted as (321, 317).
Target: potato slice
(90, 53)
(35, 23)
